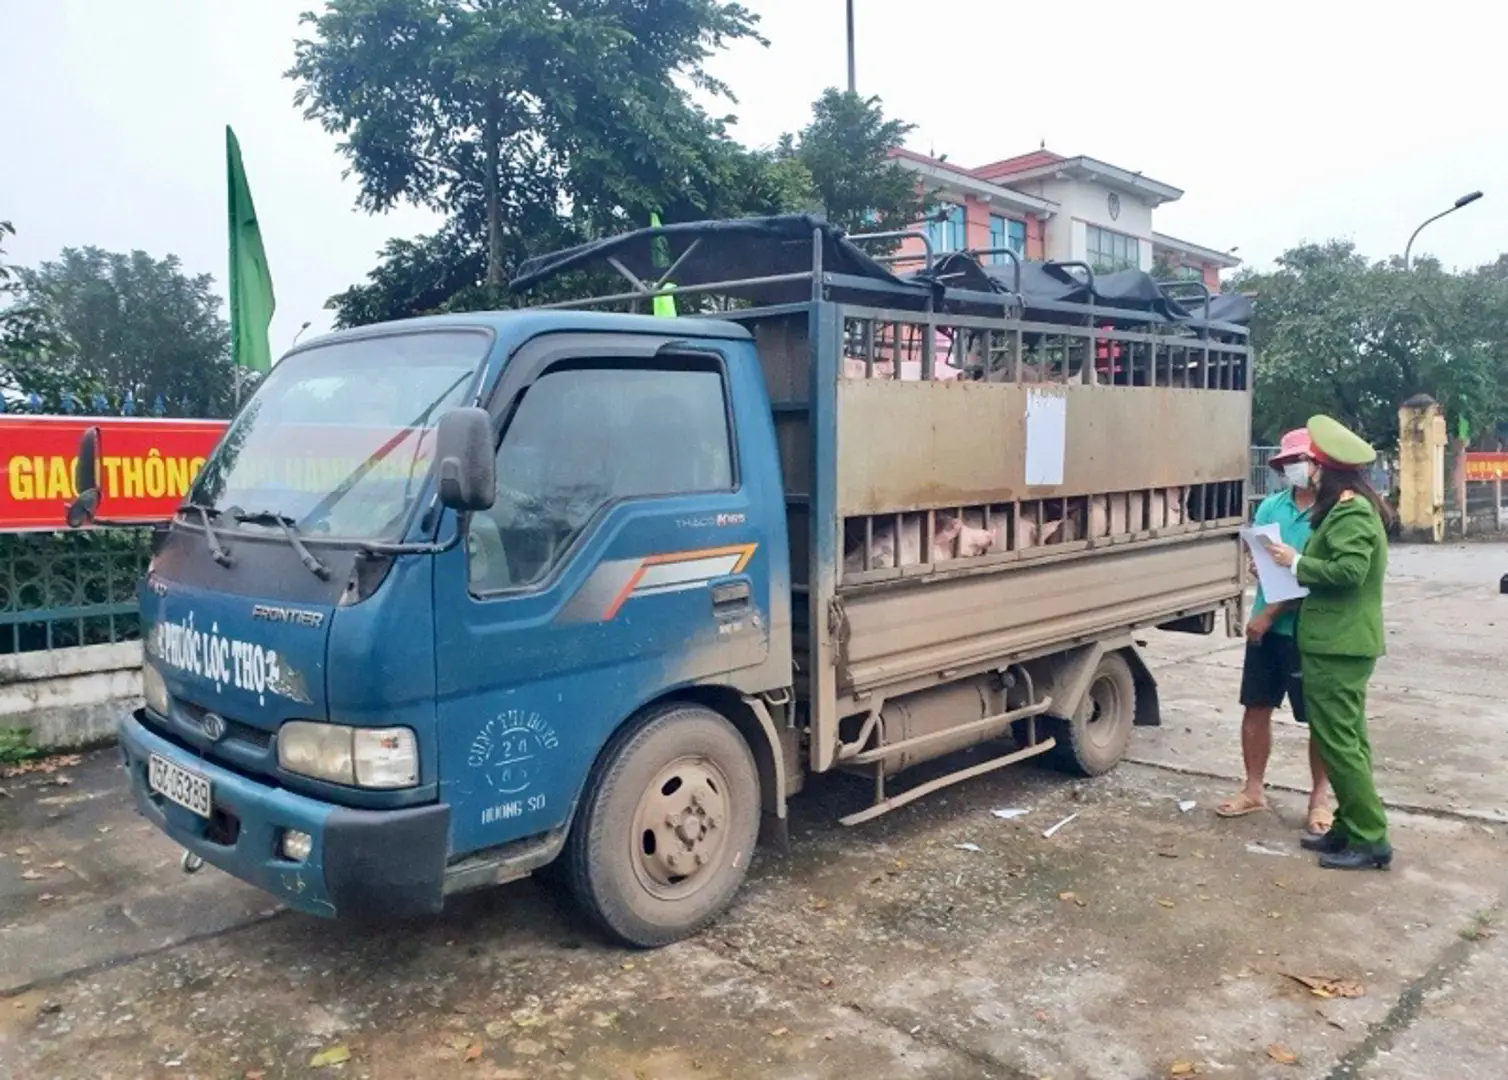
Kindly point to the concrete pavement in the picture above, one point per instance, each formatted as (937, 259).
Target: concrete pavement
(1139, 941)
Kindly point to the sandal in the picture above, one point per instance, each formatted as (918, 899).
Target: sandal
(1321, 821)
(1240, 806)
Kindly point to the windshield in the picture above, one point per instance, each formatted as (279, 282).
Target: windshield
(338, 437)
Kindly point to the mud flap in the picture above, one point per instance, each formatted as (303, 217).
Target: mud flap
(776, 753)
(1148, 705)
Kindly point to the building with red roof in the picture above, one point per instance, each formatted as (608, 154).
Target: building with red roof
(1043, 205)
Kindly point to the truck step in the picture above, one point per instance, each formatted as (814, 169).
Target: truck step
(884, 806)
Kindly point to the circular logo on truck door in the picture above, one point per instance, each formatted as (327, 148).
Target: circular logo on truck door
(507, 750)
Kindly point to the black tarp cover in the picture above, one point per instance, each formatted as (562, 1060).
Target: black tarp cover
(738, 249)
(1055, 283)
(746, 248)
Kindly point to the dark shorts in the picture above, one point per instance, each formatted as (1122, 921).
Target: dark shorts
(1271, 672)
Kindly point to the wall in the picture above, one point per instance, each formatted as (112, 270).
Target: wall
(977, 215)
(1082, 204)
(70, 698)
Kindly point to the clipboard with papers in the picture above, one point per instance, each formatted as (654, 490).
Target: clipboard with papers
(1279, 583)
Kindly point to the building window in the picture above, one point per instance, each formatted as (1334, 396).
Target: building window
(1189, 273)
(950, 234)
(1110, 251)
(1006, 233)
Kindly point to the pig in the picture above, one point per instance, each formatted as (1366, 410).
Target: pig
(974, 541)
(1026, 533)
(853, 368)
(1028, 536)
(1177, 501)
(911, 370)
(1168, 508)
(1109, 515)
(1034, 374)
(1006, 372)
(951, 539)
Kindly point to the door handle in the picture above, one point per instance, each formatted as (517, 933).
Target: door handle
(731, 596)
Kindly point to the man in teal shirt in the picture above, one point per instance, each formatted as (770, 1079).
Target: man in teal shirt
(1271, 668)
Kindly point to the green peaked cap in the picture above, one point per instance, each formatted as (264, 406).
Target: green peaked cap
(1339, 444)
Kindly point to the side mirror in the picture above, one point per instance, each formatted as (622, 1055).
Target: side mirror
(85, 481)
(466, 459)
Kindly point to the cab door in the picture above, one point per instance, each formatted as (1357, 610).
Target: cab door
(621, 559)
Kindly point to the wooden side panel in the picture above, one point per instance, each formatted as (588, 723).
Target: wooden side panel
(920, 445)
(910, 629)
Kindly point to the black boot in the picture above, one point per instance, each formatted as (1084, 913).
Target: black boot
(1332, 843)
(1359, 857)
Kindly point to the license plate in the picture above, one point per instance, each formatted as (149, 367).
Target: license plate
(189, 790)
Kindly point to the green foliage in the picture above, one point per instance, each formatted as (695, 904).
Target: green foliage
(414, 277)
(512, 115)
(8, 282)
(1339, 334)
(15, 746)
(846, 151)
(446, 271)
(1163, 269)
(104, 324)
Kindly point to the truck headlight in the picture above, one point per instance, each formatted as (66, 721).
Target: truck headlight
(358, 757)
(154, 691)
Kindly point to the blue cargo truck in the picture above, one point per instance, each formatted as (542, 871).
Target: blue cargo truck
(460, 597)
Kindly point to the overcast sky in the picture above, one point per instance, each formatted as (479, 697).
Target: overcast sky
(1281, 121)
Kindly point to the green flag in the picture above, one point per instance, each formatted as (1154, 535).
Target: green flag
(659, 255)
(251, 299)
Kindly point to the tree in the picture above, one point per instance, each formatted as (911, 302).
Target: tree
(8, 280)
(846, 150)
(525, 109)
(446, 270)
(125, 328)
(1338, 334)
(414, 277)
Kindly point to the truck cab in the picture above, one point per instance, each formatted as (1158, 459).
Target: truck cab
(462, 597)
(365, 690)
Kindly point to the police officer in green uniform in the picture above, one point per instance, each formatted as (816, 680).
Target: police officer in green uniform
(1340, 637)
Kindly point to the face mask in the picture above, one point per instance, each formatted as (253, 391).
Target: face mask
(1297, 473)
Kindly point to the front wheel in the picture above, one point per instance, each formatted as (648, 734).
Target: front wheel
(1096, 738)
(666, 834)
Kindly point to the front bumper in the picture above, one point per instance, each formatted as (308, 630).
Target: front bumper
(363, 863)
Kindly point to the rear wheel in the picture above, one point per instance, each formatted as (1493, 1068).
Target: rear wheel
(1095, 739)
(664, 839)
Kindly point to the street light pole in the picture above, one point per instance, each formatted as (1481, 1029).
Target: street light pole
(1464, 200)
(853, 86)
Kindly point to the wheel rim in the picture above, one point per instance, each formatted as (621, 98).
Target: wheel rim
(1103, 711)
(681, 828)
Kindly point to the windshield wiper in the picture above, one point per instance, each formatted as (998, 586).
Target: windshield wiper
(376, 457)
(216, 551)
(290, 530)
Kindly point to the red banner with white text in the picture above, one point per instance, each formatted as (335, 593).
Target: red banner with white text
(1486, 465)
(145, 467)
